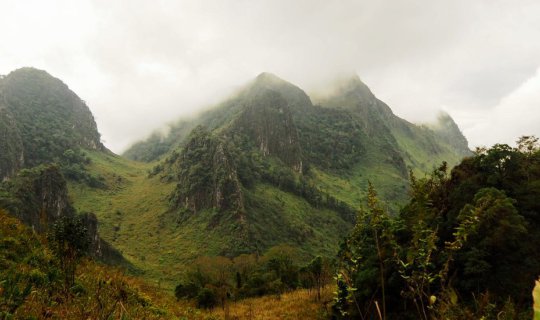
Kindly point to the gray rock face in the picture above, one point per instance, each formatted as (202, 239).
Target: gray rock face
(267, 120)
(207, 175)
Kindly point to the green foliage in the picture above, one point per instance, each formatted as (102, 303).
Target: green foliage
(239, 186)
(186, 290)
(212, 280)
(206, 298)
(330, 138)
(366, 259)
(462, 248)
(50, 118)
(11, 157)
(69, 241)
(73, 165)
(206, 175)
(32, 283)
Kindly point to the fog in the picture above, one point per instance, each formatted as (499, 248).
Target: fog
(142, 64)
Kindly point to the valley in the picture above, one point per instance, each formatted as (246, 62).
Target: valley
(262, 199)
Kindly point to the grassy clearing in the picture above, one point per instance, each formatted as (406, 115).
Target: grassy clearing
(133, 217)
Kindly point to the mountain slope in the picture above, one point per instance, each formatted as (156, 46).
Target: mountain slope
(41, 118)
(346, 133)
(265, 167)
(268, 166)
(44, 128)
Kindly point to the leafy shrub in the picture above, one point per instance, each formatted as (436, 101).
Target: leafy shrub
(206, 298)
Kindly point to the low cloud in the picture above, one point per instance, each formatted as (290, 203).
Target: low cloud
(516, 115)
(140, 64)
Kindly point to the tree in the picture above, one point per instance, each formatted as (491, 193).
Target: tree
(68, 238)
(281, 260)
(365, 258)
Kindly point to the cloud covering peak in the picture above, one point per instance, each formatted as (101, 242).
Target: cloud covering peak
(141, 64)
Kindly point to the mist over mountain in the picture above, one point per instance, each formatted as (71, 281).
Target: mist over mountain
(270, 138)
(268, 187)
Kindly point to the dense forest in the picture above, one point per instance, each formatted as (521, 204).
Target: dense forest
(464, 247)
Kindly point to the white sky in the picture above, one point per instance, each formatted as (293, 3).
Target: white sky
(141, 64)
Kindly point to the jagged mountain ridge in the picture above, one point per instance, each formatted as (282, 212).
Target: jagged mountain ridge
(265, 167)
(351, 99)
(271, 133)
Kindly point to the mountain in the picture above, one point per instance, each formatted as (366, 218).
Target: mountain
(40, 118)
(45, 127)
(347, 132)
(268, 166)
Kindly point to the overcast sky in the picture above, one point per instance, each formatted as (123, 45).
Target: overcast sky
(141, 64)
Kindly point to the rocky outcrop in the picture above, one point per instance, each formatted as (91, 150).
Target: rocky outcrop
(100, 248)
(448, 131)
(267, 121)
(207, 175)
(39, 197)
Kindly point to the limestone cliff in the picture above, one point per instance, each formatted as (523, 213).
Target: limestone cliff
(207, 175)
(267, 120)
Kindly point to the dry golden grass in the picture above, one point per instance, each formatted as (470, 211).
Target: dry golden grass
(298, 304)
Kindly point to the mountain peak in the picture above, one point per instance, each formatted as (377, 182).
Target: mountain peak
(32, 98)
(448, 130)
(271, 81)
(268, 76)
(290, 92)
(353, 85)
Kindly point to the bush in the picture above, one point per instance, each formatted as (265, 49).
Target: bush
(186, 290)
(207, 298)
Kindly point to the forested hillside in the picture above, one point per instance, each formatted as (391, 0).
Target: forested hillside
(40, 119)
(265, 167)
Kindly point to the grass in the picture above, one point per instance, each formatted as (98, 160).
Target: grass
(281, 217)
(299, 304)
(133, 216)
(351, 187)
(105, 292)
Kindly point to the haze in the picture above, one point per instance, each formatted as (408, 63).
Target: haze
(142, 64)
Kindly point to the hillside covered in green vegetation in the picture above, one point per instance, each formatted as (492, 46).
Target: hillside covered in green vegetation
(266, 193)
(268, 166)
(264, 170)
(41, 118)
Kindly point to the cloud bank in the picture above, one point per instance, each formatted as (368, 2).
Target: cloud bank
(141, 64)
